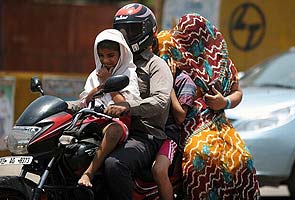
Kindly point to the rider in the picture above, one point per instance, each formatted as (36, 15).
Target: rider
(149, 115)
(216, 162)
(112, 57)
(182, 97)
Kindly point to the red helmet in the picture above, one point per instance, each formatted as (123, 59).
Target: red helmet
(138, 23)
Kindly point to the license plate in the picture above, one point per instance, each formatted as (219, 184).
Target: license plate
(16, 160)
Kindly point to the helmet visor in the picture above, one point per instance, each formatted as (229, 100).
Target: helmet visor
(131, 30)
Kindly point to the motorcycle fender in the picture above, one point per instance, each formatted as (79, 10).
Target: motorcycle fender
(24, 185)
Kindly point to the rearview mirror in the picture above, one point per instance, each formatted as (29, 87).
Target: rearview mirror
(36, 85)
(115, 83)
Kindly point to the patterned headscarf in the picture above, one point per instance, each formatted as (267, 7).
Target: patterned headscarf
(202, 51)
(216, 163)
(165, 45)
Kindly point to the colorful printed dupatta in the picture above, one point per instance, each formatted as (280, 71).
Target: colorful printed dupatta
(216, 162)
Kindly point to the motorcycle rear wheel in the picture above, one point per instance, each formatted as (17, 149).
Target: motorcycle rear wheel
(11, 194)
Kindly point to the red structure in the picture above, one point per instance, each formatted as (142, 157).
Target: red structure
(48, 37)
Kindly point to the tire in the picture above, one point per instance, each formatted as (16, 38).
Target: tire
(11, 194)
(291, 184)
(14, 187)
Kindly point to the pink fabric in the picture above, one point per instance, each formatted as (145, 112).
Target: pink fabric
(168, 149)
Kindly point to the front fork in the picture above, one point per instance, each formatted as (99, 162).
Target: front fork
(38, 189)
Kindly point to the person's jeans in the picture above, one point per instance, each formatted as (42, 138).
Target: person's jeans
(125, 161)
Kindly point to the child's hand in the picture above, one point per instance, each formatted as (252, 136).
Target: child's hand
(215, 101)
(172, 66)
(89, 97)
(103, 74)
(83, 103)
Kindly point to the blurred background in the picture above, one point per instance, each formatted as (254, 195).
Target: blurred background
(53, 39)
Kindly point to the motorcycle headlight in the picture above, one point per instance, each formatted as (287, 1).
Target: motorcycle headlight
(19, 138)
(268, 121)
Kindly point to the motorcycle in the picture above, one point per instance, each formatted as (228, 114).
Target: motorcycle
(57, 144)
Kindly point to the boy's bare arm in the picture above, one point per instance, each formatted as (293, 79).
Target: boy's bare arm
(117, 97)
(178, 111)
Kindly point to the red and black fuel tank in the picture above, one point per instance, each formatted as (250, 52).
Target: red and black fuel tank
(52, 128)
(41, 108)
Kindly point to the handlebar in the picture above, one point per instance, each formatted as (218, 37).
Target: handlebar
(84, 112)
(73, 132)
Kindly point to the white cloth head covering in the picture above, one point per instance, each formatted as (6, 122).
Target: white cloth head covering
(126, 57)
(124, 66)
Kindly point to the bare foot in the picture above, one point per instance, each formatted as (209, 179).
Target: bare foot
(85, 180)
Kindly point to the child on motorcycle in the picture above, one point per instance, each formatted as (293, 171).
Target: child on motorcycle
(112, 57)
(182, 96)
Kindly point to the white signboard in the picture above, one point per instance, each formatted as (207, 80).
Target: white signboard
(7, 87)
(64, 87)
(174, 9)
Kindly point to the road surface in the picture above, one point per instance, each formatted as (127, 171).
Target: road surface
(268, 193)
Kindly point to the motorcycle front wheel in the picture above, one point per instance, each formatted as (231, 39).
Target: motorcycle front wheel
(10, 194)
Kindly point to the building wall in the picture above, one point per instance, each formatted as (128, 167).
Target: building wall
(51, 37)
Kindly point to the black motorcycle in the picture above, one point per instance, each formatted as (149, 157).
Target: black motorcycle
(57, 144)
